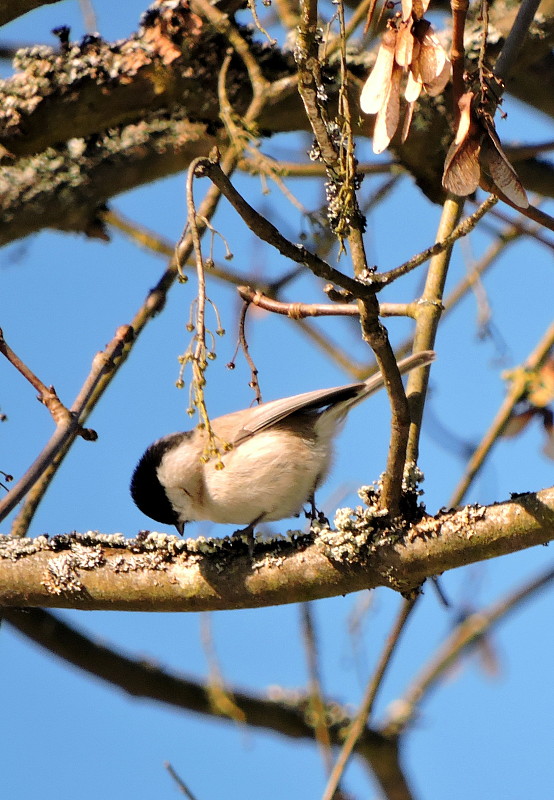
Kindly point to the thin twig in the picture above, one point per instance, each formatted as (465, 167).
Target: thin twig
(517, 390)
(343, 357)
(527, 230)
(179, 781)
(505, 237)
(466, 226)
(266, 231)
(154, 302)
(465, 634)
(515, 39)
(46, 394)
(141, 678)
(359, 13)
(155, 243)
(457, 52)
(287, 11)
(313, 169)
(317, 703)
(361, 719)
(223, 23)
(530, 212)
(303, 310)
(221, 699)
(158, 244)
(254, 383)
(103, 364)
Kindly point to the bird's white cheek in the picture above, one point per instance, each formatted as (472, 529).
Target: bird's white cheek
(180, 473)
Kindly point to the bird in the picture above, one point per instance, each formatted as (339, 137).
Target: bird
(274, 456)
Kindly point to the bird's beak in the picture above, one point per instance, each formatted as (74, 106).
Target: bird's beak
(180, 528)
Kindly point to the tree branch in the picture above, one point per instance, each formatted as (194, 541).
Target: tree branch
(162, 573)
(148, 138)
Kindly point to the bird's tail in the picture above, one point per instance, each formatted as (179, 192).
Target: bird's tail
(336, 412)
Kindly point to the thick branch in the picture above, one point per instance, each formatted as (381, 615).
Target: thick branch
(162, 573)
(66, 190)
(88, 89)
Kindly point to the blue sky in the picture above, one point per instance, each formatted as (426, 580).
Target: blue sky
(61, 301)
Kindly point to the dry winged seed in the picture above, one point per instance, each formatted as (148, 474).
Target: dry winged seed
(404, 44)
(461, 168)
(406, 9)
(548, 449)
(408, 114)
(501, 171)
(413, 87)
(376, 87)
(432, 58)
(517, 423)
(419, 7)
(438, 84)
(389, 114)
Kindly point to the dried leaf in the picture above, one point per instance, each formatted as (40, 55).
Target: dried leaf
(387, 119)
(377, 85)
(170, 28)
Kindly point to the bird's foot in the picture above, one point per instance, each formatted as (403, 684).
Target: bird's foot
(248, 533)
(314, 515)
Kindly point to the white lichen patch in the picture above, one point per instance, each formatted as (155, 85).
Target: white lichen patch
(354, 528)
(62, 572)
(13, 548)
(412, 478)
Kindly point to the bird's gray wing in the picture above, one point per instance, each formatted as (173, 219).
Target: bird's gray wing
(267, 414)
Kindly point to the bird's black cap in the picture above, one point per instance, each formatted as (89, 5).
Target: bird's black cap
(146, 490)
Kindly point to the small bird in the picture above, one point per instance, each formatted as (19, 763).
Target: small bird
(279, 453)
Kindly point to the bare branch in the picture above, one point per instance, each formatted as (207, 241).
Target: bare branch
(46, 394)
(469, 631)
(164, 573)
(362, 717)
(70, 425)
(266, 231)
(303, 310)
(516, 392)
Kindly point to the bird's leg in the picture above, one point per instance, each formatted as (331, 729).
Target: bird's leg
(249, 533)
(313, 513)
